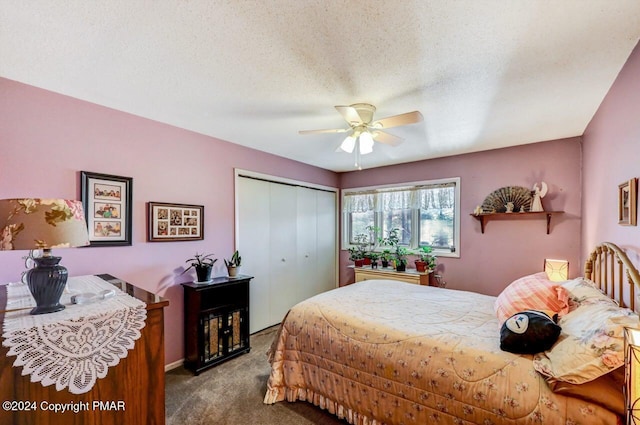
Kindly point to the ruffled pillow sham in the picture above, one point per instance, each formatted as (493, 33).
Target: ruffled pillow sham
(592, 340)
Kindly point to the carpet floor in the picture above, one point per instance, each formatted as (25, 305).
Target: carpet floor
(232, 392)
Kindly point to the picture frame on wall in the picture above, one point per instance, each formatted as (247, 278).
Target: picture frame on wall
(107, 202)
(169, 222)
(627, 202)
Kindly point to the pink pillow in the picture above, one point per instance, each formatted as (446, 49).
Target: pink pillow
(533, 292)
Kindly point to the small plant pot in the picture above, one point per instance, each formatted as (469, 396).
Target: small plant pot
(374, 265)
(203, 273)
(421, 266)
(385, 263)
(232, 270)
(359, 263)
(401, 267)
(367, 261)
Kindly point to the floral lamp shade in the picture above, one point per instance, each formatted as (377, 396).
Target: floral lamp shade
(42, 224)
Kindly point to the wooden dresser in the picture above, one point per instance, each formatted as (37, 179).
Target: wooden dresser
(410, 276)
(137, 382)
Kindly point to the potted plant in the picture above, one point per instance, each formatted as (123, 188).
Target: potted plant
(426, 261)
(399, 253)
(368, 241)
(401, 258)
(385, 257)
(203, 263)
(233, 265)
(357, 253)
(374, 259)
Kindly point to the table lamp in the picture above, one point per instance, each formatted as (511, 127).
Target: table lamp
(632, 374)
(43, 224)
(557, 270)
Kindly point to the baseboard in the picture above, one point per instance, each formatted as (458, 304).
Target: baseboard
(173, 365)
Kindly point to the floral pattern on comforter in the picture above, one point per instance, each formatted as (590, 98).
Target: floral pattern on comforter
(388, 352)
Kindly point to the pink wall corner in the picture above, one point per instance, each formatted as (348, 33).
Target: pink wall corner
(508, 249)
(612, 156)
(46, 139)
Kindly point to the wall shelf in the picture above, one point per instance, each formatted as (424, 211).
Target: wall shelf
(484, 218)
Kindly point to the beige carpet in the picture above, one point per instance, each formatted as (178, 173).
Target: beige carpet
(232, 392)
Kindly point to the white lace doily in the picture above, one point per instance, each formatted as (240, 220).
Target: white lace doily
(74, 347)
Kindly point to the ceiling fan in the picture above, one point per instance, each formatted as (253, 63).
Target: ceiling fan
(364, 131)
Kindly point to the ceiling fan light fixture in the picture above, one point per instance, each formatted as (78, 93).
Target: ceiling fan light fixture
(348, 144)
(366, 143)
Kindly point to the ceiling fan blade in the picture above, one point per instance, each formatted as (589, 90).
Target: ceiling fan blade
(386, 138)
(398, 120)
(350, 114)
(332, 130)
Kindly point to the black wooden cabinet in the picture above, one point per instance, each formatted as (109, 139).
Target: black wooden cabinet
(216, 321)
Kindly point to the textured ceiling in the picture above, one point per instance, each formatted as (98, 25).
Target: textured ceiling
(485, 74)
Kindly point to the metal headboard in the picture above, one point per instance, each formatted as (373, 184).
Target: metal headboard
(609, 267)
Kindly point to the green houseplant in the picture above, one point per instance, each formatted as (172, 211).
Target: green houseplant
(385, 257)
(203, 263)
(399, 253)
(233, 265)
(426, 260)
(373, 256)
(357, 253)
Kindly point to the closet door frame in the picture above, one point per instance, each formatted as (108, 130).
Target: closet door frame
(238, 172)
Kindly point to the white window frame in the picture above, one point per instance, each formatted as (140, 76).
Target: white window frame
(415, 218)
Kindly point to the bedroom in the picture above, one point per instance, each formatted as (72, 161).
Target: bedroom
(56, 136)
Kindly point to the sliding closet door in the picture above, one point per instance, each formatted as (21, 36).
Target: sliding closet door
(287, 239)
(326, 241)
(307, 228)
(254, 242)
(283, 257)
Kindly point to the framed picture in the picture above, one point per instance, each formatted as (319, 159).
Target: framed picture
(107, 202)
(627, 202)
(175, 222)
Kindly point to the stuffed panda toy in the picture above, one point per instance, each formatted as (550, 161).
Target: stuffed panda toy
(529, 332)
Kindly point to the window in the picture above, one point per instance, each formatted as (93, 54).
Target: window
(358, 222)
(428, 213)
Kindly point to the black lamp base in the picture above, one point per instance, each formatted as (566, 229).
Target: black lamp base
(46, 282)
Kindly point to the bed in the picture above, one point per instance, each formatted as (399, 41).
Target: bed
(389, 352)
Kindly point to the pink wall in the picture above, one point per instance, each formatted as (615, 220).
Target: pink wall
(611, 156)
(46, 139)
(508, 249)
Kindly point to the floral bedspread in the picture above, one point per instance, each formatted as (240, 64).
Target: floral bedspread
(388, 352)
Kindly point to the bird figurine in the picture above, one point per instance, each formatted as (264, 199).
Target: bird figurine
(538, 193)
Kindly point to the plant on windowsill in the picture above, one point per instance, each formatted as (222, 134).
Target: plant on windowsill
(233, 265)
(373, 256)
(357, 253)
(401, 258)
(426, 260)
(399, 253)
(203, 263)
(369, 240)
(385, 257)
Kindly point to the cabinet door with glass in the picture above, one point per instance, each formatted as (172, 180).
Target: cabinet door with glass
(216, 321)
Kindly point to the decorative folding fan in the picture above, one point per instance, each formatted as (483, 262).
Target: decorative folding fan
(498, 199)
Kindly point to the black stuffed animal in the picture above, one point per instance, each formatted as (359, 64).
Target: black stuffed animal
(529, 332)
